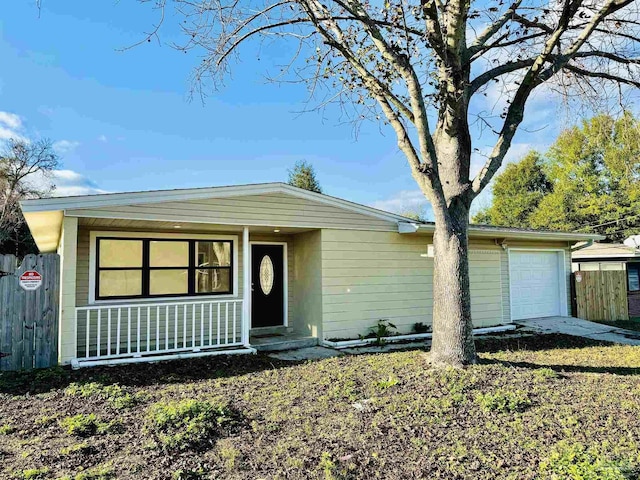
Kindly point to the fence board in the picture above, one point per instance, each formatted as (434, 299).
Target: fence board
(29, 319)
(601, 295)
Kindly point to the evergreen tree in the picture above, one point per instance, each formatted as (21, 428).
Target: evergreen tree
(303, 175)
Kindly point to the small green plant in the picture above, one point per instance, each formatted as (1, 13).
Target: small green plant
(504, 401)
(383, 328)
(388, 383)
(576, 462)
(117, 396)
(101, 472)
(328, 466)
(189, 474)
(82, 425)
(77, 447)
(34, 474)
(187, 424)
(543, 374)
(420, 327)
(7, 429)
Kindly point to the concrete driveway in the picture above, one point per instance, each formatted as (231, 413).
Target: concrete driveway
(581, 328)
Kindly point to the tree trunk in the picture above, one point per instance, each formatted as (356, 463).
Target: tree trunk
(452, 343)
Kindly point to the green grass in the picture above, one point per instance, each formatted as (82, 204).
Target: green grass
(548, 407)
(187, 424)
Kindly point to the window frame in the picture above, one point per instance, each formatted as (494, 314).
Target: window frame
(635, 266)
(147, 238)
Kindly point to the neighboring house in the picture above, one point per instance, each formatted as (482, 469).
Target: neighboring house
(614, 256)
(191, 272)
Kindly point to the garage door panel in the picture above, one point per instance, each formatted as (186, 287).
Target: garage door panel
(536, 288)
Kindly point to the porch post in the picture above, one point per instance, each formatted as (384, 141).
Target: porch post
(246, 289)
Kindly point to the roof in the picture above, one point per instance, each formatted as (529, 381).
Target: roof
(606, 251)
(44, 216)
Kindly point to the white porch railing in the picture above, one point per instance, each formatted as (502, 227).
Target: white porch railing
(141, 330)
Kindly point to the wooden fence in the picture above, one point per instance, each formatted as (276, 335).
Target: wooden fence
(601, 295)
(29, 318)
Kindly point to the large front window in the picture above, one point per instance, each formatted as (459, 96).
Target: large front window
(149, 267)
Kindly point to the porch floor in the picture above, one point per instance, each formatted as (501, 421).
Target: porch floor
(281, 341)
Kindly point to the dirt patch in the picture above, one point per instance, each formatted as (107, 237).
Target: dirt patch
(532, 407)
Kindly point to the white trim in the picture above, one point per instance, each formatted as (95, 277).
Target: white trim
(76, 364)
(159, 196)
(411, 336)
(285, 279)
(208, 221)
(93, 234)
(477, 231)
(562, 276)
(246, 287)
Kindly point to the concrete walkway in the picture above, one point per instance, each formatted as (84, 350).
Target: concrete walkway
(580, 328)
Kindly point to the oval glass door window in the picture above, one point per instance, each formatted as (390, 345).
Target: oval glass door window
(266, 275)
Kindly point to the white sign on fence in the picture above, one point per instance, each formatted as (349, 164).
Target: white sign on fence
(30, 280)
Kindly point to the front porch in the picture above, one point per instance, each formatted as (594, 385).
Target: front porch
(114, 331)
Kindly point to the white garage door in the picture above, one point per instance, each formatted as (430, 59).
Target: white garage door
(536, 289)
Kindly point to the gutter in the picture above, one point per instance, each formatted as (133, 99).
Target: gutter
(580, 247)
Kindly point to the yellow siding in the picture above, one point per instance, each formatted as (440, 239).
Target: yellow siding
(377, 275)
(270, 209)
(68, 255)
(307, 284)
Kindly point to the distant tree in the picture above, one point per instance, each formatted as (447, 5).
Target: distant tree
(303, 175)
(24, 171)
(588, 181)
(517, 192)
(416, 213)
(595, 170)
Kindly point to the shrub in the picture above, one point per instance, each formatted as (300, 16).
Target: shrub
(82, 425)
(187, 424)
(576, 462)
(504, 401)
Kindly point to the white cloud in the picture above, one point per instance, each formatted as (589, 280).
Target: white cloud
(71, 183)
(65, 146)
(67, 183)
(103, 138)
(11, 120)
(406, 201)
(10, 126)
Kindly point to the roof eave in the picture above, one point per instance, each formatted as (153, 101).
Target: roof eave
(506, 233)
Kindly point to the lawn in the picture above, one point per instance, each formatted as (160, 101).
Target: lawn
(538, 407)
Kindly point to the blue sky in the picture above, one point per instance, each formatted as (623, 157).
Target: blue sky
(123, 120)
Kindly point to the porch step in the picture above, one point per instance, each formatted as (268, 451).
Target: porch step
(282, 342)
(279, 330)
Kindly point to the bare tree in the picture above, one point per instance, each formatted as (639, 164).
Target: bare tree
(417, 65)
(24, 169)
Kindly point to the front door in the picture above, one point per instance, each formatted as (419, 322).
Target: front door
(267, 285)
